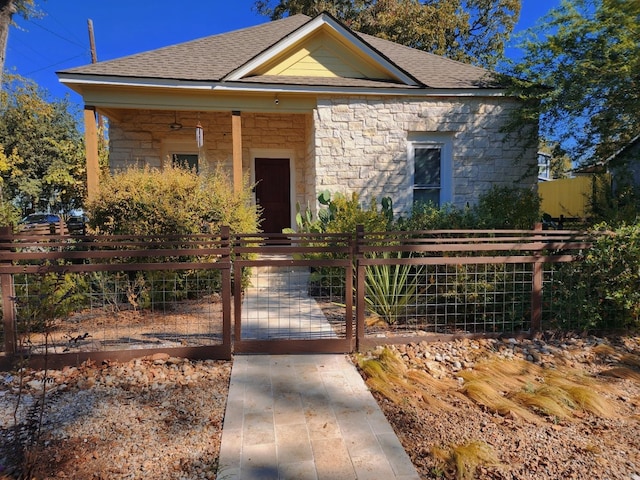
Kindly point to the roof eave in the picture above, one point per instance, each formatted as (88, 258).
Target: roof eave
(77, 81)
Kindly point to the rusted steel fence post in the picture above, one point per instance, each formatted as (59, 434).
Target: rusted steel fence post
(8, 296)
(225, 245)
(360, 282)
(537, 284)
(348, 294)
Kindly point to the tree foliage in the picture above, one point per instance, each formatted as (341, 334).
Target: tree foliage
(582, 66)
(42, 162)
(8, 8)
(472, 31)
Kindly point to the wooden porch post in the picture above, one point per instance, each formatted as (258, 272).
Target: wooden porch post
(91, 143)
(236, 136)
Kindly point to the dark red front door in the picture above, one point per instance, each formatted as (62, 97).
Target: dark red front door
(273, 185)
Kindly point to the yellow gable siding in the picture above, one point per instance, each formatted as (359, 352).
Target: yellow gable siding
(322, 55)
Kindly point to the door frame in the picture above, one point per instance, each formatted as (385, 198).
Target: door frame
(277, 153)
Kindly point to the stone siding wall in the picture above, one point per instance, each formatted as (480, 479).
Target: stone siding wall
(348, 144)
(142, 137)
(361, 144)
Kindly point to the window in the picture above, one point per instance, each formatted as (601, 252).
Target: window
(431, 166)
(427, 164)
(185, 160)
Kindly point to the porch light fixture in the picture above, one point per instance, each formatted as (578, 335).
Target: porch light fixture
(175, 125)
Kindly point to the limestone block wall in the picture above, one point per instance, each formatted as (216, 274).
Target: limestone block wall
(143, 137)
(361, 144)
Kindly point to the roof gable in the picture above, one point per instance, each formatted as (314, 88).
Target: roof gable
(321, 55)
(323, 48)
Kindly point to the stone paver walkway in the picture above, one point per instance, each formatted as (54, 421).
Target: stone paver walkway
(306, 417)
(301, 417)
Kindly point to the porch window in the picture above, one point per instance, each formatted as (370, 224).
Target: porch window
(185, 160)
(431, 172)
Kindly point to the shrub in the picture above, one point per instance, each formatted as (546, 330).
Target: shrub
(617, 206)
(174, 201)
(428, 216)
(500, 207)
(602, 290)
(347, 213)
(43, 299)
(390, 290)
(171, 201)
(9, 214)
(508, 207)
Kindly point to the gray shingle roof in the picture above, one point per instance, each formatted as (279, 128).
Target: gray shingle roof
(205, 59)
(210, 59)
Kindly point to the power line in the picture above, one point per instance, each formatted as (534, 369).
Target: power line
(54, 64)
(64, 27)
(73, 42)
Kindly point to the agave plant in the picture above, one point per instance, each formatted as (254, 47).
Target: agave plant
(390, 290)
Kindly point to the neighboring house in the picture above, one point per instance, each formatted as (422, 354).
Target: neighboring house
(624, 165)
(305, 105)
(544, 167)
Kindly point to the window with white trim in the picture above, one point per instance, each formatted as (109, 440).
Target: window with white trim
(431, 171)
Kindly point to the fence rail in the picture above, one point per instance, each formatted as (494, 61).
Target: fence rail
(78, 297)
(180, 294)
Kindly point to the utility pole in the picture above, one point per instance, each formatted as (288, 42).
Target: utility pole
(92, 42)
(94, 59)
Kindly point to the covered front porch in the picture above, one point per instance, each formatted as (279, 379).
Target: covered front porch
(272, 149)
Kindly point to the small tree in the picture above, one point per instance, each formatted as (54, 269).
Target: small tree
(42, 147)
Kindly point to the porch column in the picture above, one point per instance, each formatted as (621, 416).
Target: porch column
(91, 144)
(236, 137)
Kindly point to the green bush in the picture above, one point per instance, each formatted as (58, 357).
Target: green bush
(508, 207)
(145, 201)
(172, 201)
(43, 299)
(347, 213)
(602, 290)
(427, 216)
(615, 207)
(9, 213)
(500, 207)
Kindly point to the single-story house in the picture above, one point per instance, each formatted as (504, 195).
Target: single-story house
(623, 166)
(304, 105)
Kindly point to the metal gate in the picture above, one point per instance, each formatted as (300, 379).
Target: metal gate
(285, 301)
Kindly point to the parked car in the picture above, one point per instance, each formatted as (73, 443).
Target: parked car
(77, 224)
(39, 221)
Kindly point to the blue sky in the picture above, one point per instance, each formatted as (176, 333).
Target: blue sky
(41, 46)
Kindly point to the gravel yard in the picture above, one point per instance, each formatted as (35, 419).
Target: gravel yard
(162, 417)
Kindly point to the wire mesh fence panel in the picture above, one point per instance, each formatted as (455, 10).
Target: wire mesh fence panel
(446, 299)
(572, 301)
(118, 310)
(286, 302)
